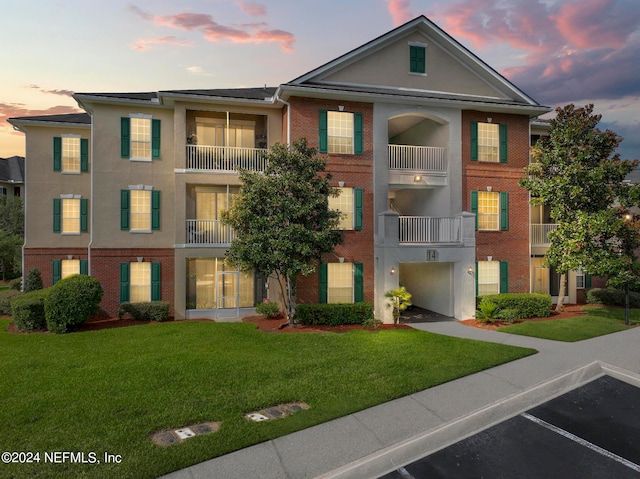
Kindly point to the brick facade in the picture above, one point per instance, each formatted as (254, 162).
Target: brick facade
(511, 245)
(354, 171)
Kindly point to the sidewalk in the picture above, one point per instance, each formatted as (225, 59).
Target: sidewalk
(375, 441)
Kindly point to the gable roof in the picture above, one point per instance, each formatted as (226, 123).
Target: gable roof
(69, 119)
(323, 78)
(12, 169)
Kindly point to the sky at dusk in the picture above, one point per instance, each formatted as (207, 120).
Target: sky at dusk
(557, 51)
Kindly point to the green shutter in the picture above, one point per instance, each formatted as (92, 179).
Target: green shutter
(474, 206)
(125, 137)
(57, 215)
(323, 275)
(155, 139)
(155, 282)
(124, 282)
(504, 210)
(417, 57)
(503, 144)
(155, 210)
(84, 155)
(358, 148)
(587, 281)
(124, 209)
(358, 194)
(474, 140)
(84, 266)
(84, 214)
(57, 153)
(323, 140)
(358, 282)
(56, 270)
(504, 277)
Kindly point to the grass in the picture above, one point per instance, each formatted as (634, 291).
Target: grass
(599, 321)
(108, 391)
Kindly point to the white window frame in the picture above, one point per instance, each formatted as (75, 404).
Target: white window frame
(135, 269)
(64, 218)
(65, 157)
(489, 142)
(483, 215)
(343, 275)
(339, 128)
(69, 267)
(487, 272)
(345, 204)
(134, 141)
(420, 45)
(132, 214)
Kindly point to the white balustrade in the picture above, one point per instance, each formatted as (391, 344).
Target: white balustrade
(428, 159)
(225, 158)
(208, 232)
(429, 230)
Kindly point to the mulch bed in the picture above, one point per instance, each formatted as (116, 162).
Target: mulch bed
(280, 326)
(570, 311)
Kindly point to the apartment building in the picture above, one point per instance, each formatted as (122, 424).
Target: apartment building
(425, 141)
(11, 176)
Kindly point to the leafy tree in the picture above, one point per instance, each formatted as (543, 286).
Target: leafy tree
(11, 235)
(282, 220)
(576, 172)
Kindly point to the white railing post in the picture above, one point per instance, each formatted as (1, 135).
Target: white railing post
(417, 158)
(429, 230)
(208, 232)
(225, 158)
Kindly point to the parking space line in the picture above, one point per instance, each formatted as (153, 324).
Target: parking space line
(582, 442)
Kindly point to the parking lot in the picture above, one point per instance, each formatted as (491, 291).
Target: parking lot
(590, 432)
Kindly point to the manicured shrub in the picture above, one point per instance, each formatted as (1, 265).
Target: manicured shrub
(28, 310)
(5, 300)
(71, 302)
(522, 305)
(612, 297)
(334, 314)
(16, 284)
(147, 311)
(269, 309)
(33, 281)
(486, 311)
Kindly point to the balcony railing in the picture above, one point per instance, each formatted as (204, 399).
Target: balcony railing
(429, 230)
(540, 233)
(209, 232)
(424, 159)
(225, 158)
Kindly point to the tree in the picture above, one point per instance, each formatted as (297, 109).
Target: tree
(281, 218)
(11, 236)
(577, 174)
(400, 300)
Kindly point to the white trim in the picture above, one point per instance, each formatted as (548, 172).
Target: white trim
(141, 187)
(70, 135)
(145, 116)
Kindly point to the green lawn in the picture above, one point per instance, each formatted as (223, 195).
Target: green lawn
(107, 391)
(599, 321)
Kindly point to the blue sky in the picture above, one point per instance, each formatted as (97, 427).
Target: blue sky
(557, 51)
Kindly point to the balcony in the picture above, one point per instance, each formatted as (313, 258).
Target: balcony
(429, 230)
(417, 166)
(225, 159)
(209, 233)
(540, 233)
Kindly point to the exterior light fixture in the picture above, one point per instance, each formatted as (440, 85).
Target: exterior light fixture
(470, 270)
(393, 271)
(417, 178)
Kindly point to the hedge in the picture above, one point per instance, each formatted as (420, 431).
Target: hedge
(5, 300)
(28, 310)
(147, 311)
(520, 305)
(612, 297)
(334, 314)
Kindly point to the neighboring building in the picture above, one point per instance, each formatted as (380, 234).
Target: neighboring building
(11, 176)
(426, 142)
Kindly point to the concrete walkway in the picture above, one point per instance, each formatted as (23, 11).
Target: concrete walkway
(378, 440)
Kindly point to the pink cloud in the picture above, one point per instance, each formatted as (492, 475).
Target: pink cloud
(215, 32)
(399, 10)
(52, 92)
(252, 8)
(142, 44)
(15, 110)
(595, 24)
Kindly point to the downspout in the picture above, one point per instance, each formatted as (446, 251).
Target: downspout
(288, 116)
(91, 202)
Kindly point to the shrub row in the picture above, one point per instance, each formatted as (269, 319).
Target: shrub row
(612, 297)
(28, 310)
(5, 300)
(148, 311)
(60, 308)
(512, 306)
(334, 314)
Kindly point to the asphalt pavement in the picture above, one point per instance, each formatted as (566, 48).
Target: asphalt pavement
(446, 422)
